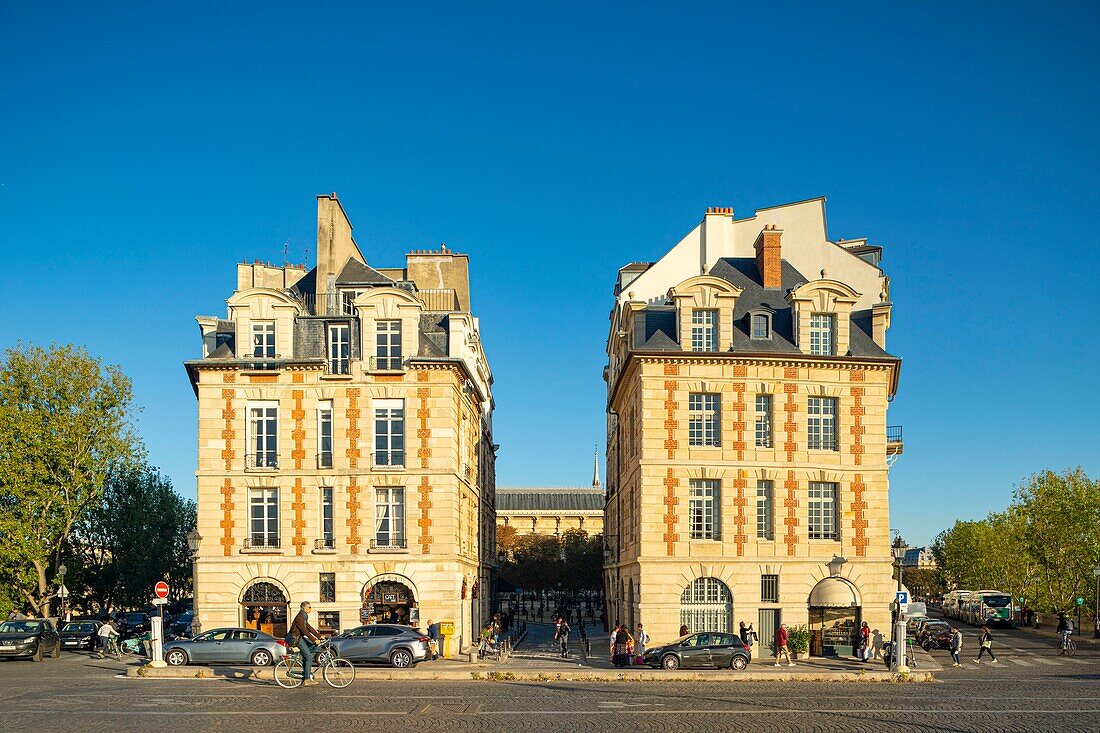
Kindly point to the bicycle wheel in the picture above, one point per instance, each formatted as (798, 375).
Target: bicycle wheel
(1072, 648)
(288, 672)
(339, 673)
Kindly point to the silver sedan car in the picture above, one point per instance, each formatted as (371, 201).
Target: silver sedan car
(226, 646)
(393, 644)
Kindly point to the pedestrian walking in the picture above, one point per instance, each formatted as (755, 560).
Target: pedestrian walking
(433, 638)
(561, 635)
(781, 637)
(641, 640)
(985, 646)
(865, 642)
(956, 646)
(103, 636)
(748, 636)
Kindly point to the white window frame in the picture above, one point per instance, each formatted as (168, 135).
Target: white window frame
(706, 604)
(347, 307)
(389, 506)
(389, 445)
(763, 429)
(704, 419)
(387, 344)
(263, 339)
(821, 423)
(704, 329)
(324, 409)
(328, 524)
(821, 507)
(266, 458)
(765, 510)
(339, 348)
(704, 509)
(823, 334)
(267, 501)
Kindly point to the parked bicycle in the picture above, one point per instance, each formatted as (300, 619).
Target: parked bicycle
(339, 673)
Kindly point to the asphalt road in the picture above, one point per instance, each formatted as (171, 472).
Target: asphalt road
(1030, 689)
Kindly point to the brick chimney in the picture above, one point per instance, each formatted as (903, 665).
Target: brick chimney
(769, 258)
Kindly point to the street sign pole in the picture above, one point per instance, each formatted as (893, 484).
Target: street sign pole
(157, 652)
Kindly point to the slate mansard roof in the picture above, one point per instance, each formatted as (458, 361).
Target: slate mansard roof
(553, 499)
(655, 327)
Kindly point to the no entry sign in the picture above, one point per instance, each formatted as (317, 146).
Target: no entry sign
(161, 589)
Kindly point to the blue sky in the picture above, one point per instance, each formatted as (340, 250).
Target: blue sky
(144, 150)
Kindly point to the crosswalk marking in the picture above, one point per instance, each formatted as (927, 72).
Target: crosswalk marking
(1021, 662)
(1048, 662)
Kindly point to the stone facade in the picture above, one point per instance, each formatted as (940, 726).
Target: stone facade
(351, 468)
(722, 506)
(550, 511)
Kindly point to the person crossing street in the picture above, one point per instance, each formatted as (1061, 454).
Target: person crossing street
(985, 646)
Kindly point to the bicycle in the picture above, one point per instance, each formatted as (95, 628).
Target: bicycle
(1069, 646)
(111, 648)
(290, 673)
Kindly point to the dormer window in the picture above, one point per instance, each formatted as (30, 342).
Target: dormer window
(263, 339)
(761, 326)
(704, 330)
(823, 334)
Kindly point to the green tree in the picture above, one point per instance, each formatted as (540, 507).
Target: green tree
(135, 536)
(582, 559)
(65, 423)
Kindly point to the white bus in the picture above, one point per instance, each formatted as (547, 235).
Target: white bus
(954, 602)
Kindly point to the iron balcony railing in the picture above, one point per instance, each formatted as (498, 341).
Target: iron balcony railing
(261, 542)
(262, 461)
(893, 434)
(386, 364)
(325, 543)
(390, 543)
(339, 303)
(338, 366)
(389, 459)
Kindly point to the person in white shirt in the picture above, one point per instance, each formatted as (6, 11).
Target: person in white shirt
(641, 639)
(106, 631)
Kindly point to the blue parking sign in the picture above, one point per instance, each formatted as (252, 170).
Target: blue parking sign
(903, 597)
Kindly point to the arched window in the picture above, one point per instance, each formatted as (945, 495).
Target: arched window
(263, 593)
(706, 605)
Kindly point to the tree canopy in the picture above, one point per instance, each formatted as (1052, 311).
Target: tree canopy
(66, 421)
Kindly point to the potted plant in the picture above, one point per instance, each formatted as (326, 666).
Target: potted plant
(798, 639)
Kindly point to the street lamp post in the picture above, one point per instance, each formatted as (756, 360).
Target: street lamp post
(193, 541)
(1096, 608)
(63, 592)
(898, 657)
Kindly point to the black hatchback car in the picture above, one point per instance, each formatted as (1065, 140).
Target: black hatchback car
(709, 649)
(32, 638)
(79, 634)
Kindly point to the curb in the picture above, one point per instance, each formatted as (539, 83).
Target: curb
(265, 674)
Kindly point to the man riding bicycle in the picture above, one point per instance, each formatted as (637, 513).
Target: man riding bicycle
(1065, 629)
(304, 636)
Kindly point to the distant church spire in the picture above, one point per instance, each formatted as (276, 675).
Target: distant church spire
(596, 468)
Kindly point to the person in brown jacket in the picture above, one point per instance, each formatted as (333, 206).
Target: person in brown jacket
(304, 636)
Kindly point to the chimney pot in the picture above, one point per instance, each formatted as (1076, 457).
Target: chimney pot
(769, 257)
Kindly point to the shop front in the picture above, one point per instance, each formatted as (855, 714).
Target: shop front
(390, 599)
(264, 608)
(835, 617)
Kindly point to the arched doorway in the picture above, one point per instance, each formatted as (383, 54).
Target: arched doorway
(390, 599)
(706, 605)
(835, 616)
(264, 608)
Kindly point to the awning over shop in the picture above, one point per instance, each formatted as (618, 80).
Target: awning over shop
(834, 593)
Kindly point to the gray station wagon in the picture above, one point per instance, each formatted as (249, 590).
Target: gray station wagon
(226, 646)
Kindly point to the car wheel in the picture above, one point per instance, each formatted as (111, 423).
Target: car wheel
(261, 658)
(176, 657)
(38, 656)
(401, 659)
(670, 662)
(926, 646)
(739, 663)
(57, 651)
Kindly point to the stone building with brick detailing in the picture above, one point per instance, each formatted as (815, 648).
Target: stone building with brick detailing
(346, 450)
(747, 448)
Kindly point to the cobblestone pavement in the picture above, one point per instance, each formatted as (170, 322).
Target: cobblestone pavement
(1030, 689)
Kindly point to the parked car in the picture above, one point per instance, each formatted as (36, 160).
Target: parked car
(913, 624)
(399, 646)
(79, 635)
(936, 635)
(226, 646)
(709, 649)
(133, 623)
(32, 638)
